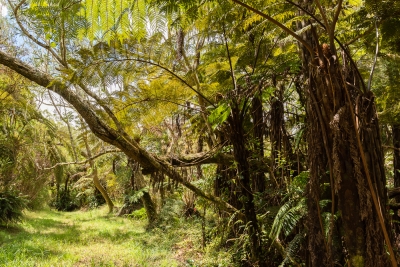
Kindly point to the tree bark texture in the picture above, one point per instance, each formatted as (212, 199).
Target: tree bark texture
(344, 148)
(281, 145)
(241, 155)
(396, 180)
(396, 157)
(258, 135)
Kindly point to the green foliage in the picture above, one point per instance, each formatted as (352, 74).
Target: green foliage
(135, 196)
(289, 216)
(170, 213)
(50, 238)
(219, 115)
(147, 61)
(139, 214)
(11, 207)
(65, 201)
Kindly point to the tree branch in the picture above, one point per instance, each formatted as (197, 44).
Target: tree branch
(84, 161)
(336, 39)
(30, 36)
(164, 68)
(392, 193)
(103, 131)
(336, 16)
(327, 26)
(230, 61)
(277, 23)
(391, 147)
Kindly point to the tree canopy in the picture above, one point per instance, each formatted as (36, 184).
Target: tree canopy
(245, 108)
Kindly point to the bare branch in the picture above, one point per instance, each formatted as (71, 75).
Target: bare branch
(322, 11)
(84, 161)
(391, 147)
(393, 192)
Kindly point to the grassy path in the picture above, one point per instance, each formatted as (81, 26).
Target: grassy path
(50, 238)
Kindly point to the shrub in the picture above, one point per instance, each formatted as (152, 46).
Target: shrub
(139, 214)
(66, 201)
(11, 207)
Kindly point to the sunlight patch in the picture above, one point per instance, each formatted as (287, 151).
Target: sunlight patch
(3, 10)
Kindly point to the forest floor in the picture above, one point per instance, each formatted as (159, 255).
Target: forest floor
(93, 238)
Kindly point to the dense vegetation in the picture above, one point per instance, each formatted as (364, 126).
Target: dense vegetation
(272, 126)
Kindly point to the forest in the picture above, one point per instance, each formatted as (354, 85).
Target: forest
(200, 133)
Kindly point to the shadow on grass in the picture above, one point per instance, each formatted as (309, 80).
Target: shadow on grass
(68, 231)
(12, 229)
(36, 239)
(50, 237)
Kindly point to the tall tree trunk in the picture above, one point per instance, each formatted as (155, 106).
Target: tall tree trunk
(148, 203)
(258, 135)
(396, 177)
(281, 145)
(150, 207)
(224, 187)
(241, 155)
(344, 152)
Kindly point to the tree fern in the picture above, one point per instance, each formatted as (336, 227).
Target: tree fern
(288, 217)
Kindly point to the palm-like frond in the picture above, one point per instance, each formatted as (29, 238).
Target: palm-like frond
(288, 217)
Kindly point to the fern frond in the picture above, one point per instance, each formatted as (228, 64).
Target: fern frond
(287, 218)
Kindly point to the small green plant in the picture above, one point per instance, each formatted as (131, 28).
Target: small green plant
(139, 214)
(11, 207)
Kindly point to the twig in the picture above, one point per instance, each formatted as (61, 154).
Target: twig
(392, 147)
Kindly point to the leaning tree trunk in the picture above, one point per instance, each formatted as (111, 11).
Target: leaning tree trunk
(95, 176)
(344, 152)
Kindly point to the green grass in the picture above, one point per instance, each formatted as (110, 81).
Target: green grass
(93, 238)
